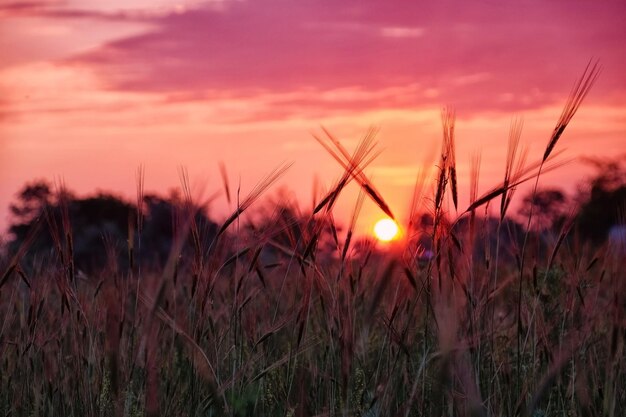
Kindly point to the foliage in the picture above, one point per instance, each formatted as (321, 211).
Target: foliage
(97, 227)
(604, 202)
(548, 207)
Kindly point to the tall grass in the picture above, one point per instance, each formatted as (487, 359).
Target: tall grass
(291, 317)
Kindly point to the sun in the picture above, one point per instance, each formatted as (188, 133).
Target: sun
(386, 230)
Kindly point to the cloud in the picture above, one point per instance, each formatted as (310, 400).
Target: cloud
(401, 32)
(474, 57)
(104, 9)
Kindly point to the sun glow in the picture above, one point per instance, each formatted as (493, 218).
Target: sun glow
(386, 230)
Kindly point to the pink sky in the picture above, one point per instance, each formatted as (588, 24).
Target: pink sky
(89, 90)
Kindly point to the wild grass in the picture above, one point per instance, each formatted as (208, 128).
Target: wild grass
(290, 317)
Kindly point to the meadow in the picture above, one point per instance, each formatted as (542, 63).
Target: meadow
(290, 315)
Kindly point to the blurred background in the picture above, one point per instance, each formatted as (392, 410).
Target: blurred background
(91, 90)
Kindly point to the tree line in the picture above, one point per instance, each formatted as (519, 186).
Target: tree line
(104, 226)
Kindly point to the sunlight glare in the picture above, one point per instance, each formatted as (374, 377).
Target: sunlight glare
(386, 230)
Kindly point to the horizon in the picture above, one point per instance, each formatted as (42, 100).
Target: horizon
(93, 91)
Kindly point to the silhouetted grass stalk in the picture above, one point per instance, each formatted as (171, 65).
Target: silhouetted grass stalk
(579, 92)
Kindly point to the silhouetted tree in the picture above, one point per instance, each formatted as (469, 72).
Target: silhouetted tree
(155, 241)
(32, 199)
(99, 227)
(610, 172)
(489, 233)
(548, 207)
(281, 223)
(99, 224)
(604, 204)
(32, 202)
(100, 230)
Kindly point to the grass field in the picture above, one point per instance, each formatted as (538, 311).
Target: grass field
(293, 318)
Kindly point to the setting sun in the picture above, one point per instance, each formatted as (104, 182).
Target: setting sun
(386, 230)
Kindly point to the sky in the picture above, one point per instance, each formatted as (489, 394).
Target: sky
(92, 89)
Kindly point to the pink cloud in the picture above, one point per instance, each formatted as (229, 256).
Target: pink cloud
(280, 45)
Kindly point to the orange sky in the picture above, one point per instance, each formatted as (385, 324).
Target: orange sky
(89, 90)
